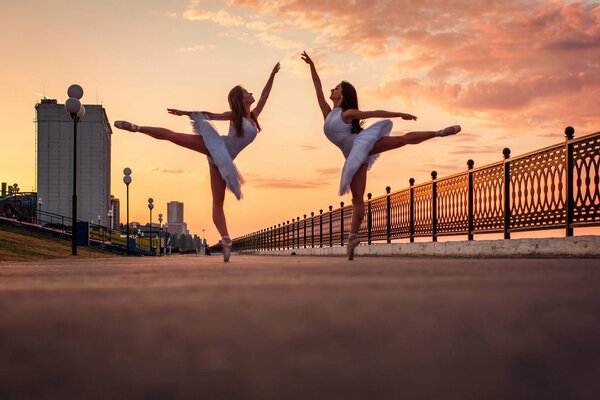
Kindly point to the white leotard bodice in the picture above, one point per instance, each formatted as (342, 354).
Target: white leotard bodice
(339, 132)
(355, 147)
(235, 143)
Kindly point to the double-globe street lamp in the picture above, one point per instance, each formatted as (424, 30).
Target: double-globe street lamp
(127, 181)
(77, 111)
(150, 207)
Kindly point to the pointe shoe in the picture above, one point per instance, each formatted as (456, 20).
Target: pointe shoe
(352, 243)
(226, 246)
(127, 126)
(451, 130)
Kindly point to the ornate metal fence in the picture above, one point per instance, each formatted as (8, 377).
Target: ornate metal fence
(551, 188)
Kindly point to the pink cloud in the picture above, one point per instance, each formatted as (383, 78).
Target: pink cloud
(522, 62)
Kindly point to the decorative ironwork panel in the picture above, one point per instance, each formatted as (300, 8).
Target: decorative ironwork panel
(363, 231)
(537, 194)
(379, 210)
(422, 199)
(325, 218)
(312, 231)
(453, 204)
(400, 214)
(337, 214)
(348, 222)
(488, 210)
(586, 190)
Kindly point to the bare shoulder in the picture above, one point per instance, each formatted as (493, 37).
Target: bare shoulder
(350, 114)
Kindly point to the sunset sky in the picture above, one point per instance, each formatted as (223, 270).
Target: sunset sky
(513, 73)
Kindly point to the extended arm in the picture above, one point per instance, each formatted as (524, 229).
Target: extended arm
(224, 116)
(325, 108)
(351, 114)
(266, 91)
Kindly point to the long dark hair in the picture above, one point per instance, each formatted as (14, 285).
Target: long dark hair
(350, 101)
(236, 104)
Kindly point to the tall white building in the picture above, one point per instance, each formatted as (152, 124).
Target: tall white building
(55, 160)
(175, 222)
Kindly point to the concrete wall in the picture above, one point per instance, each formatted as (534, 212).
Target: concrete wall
(580, 246)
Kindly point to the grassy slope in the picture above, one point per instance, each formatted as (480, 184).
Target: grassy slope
(16, 245)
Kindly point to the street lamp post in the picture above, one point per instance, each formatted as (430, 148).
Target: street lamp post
(77, 111)
(109, 216)
(150, 207)
(160, 220)
(127, 181)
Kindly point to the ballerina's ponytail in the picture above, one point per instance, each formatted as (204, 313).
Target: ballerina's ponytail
(350, 101)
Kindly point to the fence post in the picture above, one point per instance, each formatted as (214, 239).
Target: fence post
(470, 206)
(434, 206)
(304, 230)
(369, 219)
(341, 223)
(298, 235)
(293, 233)
(411, 210)
(287, 234)
(570, 203)
(330, 226)
(312, 229)
(506, 153)
(321, 228)
(388, 217)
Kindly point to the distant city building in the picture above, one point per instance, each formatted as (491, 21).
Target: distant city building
(115, 206)
(55, 160)
(175, 224)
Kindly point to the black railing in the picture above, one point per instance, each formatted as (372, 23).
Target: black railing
(557, 187)
(61, 226)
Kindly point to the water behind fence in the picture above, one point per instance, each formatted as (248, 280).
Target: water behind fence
(551, 188)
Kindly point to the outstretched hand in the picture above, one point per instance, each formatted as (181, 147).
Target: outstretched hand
(304, 56)
(276, 69)
(408, 117)
(175, 111)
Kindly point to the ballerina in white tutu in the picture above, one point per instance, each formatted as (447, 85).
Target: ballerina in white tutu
(220, 150)
(361, 146)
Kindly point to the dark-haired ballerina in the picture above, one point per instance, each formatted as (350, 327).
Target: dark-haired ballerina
(361, 147)
(220, 150)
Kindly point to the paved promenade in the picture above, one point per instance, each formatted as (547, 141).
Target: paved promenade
(300, 328)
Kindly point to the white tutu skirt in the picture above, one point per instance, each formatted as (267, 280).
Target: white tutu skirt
(219, 155)
(359, 154)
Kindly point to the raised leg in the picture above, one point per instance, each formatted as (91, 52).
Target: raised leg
(393, 142)
(192, 142)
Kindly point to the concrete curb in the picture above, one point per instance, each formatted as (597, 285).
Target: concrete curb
(579, 246)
